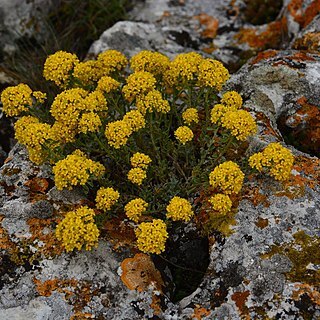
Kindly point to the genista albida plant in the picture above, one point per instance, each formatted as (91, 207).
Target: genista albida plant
(145, 137)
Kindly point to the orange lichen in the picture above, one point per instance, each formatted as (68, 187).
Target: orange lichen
(240, 299)
(303, 17)
(211, 25)
(200, 312)
(119, 233)
(309, 290)
(253, 194)
(268, 130)
(5, 242)
(264, 55)
(139, 272)
(46, 288)
(310, 42)
(262, 223)
(156, 304)
(43, 232)
(37, 184)
(269, 38)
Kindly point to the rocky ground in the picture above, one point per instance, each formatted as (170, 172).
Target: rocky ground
(268, 268)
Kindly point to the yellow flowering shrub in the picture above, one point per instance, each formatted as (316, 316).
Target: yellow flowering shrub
(106, 198)
(140, 160)
(75, 170)
(240, 123)
(138, 83)
(59, 66)
(227, 177)
(190, 115)
(78, 230)
(110, 126)
(276, 159)
(135, 208)
(184, 134)
(221, 203)
(179, 209)
(16, 100)
(152, 236)
(153, 62)
(137, 175)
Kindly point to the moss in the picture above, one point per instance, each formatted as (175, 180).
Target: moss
(304, 250)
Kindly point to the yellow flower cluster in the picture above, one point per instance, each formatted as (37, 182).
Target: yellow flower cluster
(94, 102)
(39, 96)
(240, 123)
(117, 133)
(140, 160)
(152, 236)
(212, 74)
(218, 112)
(137, 175)
(111, 61)
(89, 122)
(232, 99)
(58, 67)
(135, 120)
(183, 68)
(138, 83)
(184, 134)
(179, 209)
(278, 159)
(153, 62)
(106, 198)
(135, 208)
(16, 99)
(107, 84)
(78, 229)
(88, 72)
(227, 177)
(190, 115)
(75, 170)
(33, 134)
(152, 101)
(221, 203)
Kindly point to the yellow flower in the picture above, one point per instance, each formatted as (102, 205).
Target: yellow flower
(184, 134)
(152, 101)
(58, 67)
(39, 96)
(137, 175)
(227, 177)
(212, 73)
(64, 132)
(135, 208)
(278, 159)
(153, 62)
(183, 68)
(135, 120)
(106, 198)
(75, 170)
(67, 106)
(107, 84)
(78, 229)
(190, 115)
(140, 160)
(240, 123)
(179, 209)
(152, 236)
(21, 125)
(95, 102)
(138, 83)
(16, 99)
(221, 203)
(232, 99)
(88, 72)
(117, 133)
(89, 122)
(111, 61)
(218, 112)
